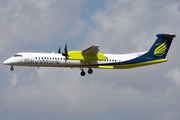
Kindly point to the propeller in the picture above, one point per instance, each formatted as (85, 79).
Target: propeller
(65, 53)
(59, 51)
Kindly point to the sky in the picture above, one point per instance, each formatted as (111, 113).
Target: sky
(117, 26)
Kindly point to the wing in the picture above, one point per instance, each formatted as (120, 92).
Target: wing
(92, 50)
(87, 55)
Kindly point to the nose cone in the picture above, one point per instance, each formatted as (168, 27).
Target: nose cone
(7, 62)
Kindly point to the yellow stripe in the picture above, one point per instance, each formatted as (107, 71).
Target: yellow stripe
(108, 67)
(140, 64)
(124, 66)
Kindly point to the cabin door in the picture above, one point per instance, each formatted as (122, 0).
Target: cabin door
(119, 61)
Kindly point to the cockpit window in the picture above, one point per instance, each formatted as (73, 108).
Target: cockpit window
(17, 56)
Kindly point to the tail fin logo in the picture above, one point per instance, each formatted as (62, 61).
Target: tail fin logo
(161, 49)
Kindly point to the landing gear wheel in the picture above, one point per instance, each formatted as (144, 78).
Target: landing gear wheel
(90, 71)
(11, 68)
(83, 73)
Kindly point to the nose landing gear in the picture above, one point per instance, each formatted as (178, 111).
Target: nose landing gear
(12, 69)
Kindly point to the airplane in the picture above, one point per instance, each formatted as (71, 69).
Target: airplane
(92, 58)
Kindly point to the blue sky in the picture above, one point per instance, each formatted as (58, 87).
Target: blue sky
(118, 26)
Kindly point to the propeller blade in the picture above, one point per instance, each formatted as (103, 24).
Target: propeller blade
(65, 49)
(59, 51)
(65, 53)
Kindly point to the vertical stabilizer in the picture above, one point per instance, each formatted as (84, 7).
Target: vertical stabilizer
(161, 46)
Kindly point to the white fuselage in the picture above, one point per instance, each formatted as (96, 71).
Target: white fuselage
(57, 60)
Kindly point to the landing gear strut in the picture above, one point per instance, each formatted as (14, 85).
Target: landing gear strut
(11, 68)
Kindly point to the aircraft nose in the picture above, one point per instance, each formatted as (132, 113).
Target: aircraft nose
(7, 62)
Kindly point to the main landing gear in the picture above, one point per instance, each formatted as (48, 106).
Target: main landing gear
(11, 68)
(90, 71)
(82, 72)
